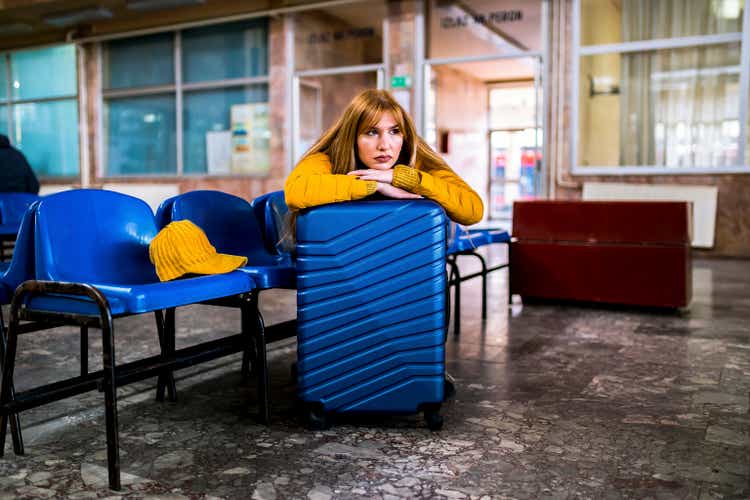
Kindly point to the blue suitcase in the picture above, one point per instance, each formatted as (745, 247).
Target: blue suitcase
(371, 309)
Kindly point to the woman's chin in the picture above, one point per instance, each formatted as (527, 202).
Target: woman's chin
(381, 166)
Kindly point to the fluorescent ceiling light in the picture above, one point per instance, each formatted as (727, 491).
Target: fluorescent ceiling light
(64, 19)
(15, 29)
(160, 4)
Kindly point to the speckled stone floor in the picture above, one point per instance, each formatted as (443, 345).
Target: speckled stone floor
(553, 401)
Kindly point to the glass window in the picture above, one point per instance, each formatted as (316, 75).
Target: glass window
(225, 51)
(672, 108)
(343, 35)
(47, 133)
(3, 78)
(143, 127)
(479, 27)
(208, 129)
(57, 62)
(139, 62)
(141, 135)
(633, 20)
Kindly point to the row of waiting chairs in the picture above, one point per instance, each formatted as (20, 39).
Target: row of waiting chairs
(65, 271)
(81, 258)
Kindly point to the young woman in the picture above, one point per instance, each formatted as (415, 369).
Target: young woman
(373, 148)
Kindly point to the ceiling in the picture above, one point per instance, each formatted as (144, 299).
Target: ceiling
(35, 22)
(25, 23)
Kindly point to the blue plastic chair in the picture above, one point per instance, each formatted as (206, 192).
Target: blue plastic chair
(89, 273)
(231, 226)
(466, 242)
(271, 211)
(12, 208)
(164, 212)
(18, 270)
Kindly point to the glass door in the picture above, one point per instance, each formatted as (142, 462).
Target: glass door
(515, 137)
(483, 104)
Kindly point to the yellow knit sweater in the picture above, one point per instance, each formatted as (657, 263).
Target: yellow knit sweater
(311, 183)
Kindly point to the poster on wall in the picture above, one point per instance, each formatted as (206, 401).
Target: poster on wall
(219, 152)
(250, 139)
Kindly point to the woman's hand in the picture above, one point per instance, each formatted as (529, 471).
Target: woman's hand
(371, 174)
(394, 192)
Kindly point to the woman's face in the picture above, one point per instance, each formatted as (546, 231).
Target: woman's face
(379, 146)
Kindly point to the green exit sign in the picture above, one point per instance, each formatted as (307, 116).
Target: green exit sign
(401, 82)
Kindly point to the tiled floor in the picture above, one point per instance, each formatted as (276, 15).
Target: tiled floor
(552, 402)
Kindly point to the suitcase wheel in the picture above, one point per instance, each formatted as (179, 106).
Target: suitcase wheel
(433, 418)
(316, 419)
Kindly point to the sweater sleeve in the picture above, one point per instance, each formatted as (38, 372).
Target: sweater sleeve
(458, 199)
(311, 183)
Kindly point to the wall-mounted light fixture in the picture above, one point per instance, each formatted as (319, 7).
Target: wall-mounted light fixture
(15, 29)
(73, 17)
(144, 5)
(602, 85)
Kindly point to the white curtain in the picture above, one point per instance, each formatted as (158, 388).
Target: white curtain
(679, 107)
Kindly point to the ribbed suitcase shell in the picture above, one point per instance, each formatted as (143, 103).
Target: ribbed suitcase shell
(371, 305)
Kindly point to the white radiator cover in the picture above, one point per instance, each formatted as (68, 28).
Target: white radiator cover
(153, 194)
(703, 199)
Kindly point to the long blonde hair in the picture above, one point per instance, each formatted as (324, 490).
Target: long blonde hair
(339, 142)
(364, 112)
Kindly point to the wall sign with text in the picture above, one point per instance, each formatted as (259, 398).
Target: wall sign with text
(340, 35)
(496, 17)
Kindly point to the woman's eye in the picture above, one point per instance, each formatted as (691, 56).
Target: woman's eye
(395, 131)
(372, 132)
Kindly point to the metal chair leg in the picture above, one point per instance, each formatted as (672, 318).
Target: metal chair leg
(451, 262)
(484, 282)
(7, 365)
(249, 352)
(170, 335)
(84, 350)
(456, 301)
(110, 402)
(165, 379)
(261, 360)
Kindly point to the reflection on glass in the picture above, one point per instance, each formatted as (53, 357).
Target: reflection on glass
(27, 66)
(225, 51)
(633, 20)
(47, 133)
(344, 35)
(479, 27)
(3, 78)
(140, 134)
(513, 106)
(4, 121)
(502, 196)
(673, 108)
(139, 62)
(515, 173)
(323, 99)
(207, 128)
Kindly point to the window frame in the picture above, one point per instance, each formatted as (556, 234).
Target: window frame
(177, 89)
(9, 102)
(578, 51)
